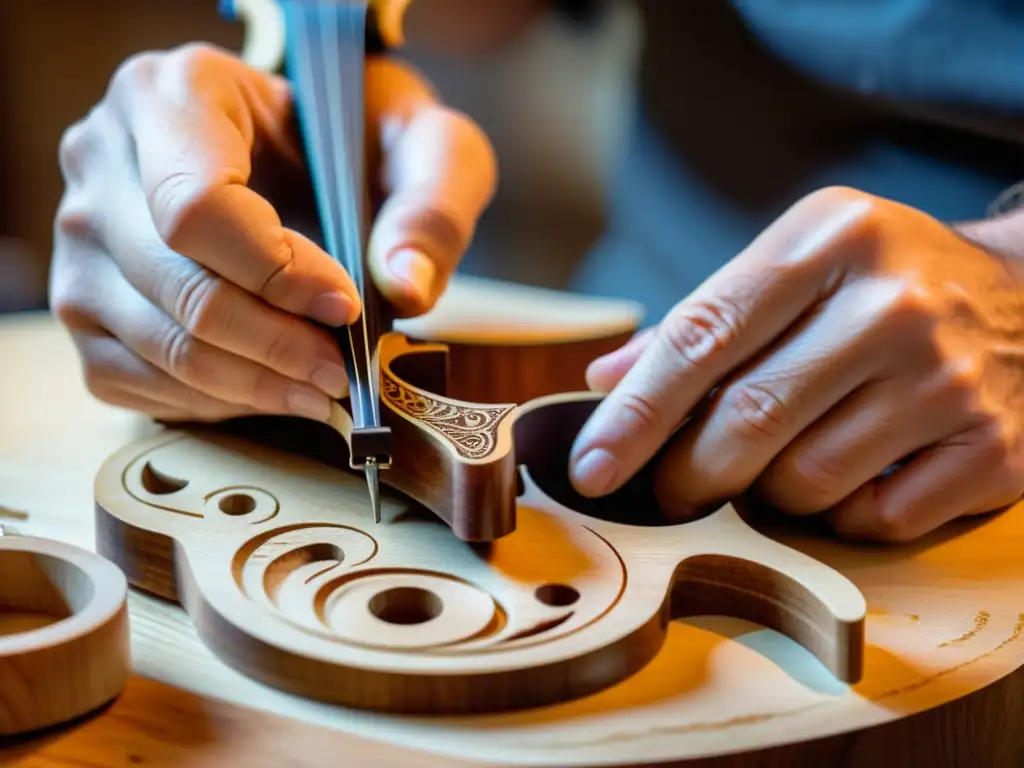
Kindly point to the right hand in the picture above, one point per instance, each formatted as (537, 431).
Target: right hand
(185, 294)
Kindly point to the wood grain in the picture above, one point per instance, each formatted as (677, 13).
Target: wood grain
(64, 639)
(275, 561)
(942, 684)
(159, 726)
(156, 725)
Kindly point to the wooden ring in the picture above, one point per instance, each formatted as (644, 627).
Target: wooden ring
(64, 633)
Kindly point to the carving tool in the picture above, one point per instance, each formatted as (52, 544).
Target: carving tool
(325, 49)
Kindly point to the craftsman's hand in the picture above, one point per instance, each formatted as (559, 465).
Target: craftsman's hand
(854, 336)
(179, 265)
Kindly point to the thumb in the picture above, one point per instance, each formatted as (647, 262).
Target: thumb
(439, 175)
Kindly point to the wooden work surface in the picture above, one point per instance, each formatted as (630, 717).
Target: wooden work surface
(53, 438)
(184, 707)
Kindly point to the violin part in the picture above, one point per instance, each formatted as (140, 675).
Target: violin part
(286, 579)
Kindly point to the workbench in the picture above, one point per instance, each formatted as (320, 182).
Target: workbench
(183, 707)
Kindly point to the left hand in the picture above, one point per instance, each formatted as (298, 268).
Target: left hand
(854, 335)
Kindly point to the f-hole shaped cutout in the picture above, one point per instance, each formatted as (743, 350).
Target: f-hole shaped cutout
(544, 439)
(722, 585)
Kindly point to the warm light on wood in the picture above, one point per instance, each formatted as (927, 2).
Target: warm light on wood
(63, 633)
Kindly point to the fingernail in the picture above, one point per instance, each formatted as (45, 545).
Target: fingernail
(595, 472)
(333, 308)
(309, 403)
(331, 378)
(413, 268)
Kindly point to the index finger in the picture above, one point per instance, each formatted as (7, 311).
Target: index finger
(193, 116)
(737, 312)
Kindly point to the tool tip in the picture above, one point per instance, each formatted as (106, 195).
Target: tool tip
(372, 484)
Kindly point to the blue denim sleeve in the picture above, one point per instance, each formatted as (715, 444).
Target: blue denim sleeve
(965, 53)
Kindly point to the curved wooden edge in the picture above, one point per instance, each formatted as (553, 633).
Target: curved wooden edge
(757, 590)
(717, 584)
(740, 573)
(456, 458)
(158, 564)
(81, 661)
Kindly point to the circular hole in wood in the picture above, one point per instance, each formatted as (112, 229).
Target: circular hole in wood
(237, 504)
(406, 605)
(557, 595)
(38, 591)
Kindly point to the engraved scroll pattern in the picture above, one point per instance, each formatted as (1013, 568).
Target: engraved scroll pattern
(473, 430)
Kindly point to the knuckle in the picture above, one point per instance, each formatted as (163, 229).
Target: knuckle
(276, 288)
(78, 141)
(179, 354)
(911, 308)
(201, 306)
(959, 385)
(835, 213)
(69, 307)
(136, 72)
(69, 300)
(195, 59)
(836, 196)
(834, 200)
(77, 221)
(996, 442)
(757, 410)
(813, 477)
(642, 410)
(174, 201)
(893, 526)
(182, 201)
(282, 353)
(699, 331)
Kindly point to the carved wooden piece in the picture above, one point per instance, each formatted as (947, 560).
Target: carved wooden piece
(274, 560)
(64, 635)
(942, 684)
(451, 429)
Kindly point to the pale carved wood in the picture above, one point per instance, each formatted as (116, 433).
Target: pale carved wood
(274, 560)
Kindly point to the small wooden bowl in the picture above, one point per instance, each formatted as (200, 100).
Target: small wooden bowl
(64, 633)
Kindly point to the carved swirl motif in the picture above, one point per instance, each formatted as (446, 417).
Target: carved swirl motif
(472, 430)
(316, 578)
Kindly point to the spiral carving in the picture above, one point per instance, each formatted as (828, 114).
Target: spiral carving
(330, 581)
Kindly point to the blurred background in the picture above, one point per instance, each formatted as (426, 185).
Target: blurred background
(57, 56)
